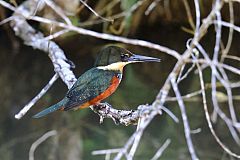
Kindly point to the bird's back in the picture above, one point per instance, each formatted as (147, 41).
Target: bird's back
(91, 85)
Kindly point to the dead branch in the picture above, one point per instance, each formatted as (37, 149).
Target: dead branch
(184, 118)
(208, 115)
(104, 110)
(125, 117)
(39, 141)
(35, 99)
(36, 39)
(161, 150)
(144, 114)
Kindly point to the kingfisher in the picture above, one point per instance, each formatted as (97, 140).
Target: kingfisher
(98, 82)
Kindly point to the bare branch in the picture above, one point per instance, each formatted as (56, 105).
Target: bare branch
(182, 77)
(170, 114)
(197, 10)
(7, 5)
(226, 85)
(6, 20)
(208, 116)
(58, 10)
(105, 110)
(151, 6)
(124, 117)
(189, 15)
(161, 150)
(230, 35)
(144, 114)
(39, 141)
(226, 24)
(136, 139)
(106, 152)
(109, 36)
(130, 141)
(187, 97)
(185, 120)
(56, 34)
(215, 103)
(125, 13)
(35, 99)
(232, 57)
(94, 12)
(36, 39)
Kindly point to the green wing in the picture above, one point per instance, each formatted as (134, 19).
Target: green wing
(88, 86)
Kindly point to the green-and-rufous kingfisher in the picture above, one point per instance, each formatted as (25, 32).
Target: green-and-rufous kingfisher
(99, 82)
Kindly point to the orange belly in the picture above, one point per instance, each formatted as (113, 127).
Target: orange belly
(114, 84)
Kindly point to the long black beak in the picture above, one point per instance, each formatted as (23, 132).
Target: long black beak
(139, 58)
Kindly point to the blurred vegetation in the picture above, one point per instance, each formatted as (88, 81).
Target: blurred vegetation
(24, 71)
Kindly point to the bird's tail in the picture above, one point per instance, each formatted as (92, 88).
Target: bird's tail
(51, 109)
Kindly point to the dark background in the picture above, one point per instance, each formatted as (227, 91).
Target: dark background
(25, 71)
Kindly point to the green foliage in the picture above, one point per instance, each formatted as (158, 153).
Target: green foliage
(126, 6)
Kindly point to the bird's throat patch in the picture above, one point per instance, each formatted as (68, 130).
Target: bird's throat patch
(118, 66)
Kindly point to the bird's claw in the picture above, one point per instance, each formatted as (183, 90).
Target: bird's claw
(101, 119)
(72, 65)
(115, 120)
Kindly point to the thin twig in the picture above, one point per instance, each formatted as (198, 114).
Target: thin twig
(125, 13)
(94, 12)
(136, 139)
(187, 97)
(227, 24)
(106, 151)
(58, 10)
(6, 20)
(26, 108)
(104, 35)
(215, 104)
(151, 7)
(185, 119)
(57, 56)
(170, 114)
(182, 77)
(232, 57)
(39, 141)
(197, 10)
(226, 85)
(7, 5)
(109, 36)
(230, 35)
(130, 141)
(56, 34)
(36, 39)
(208, 116)
(189, 14)
(161, 150)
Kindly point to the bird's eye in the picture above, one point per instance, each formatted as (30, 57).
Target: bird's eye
(125, 56)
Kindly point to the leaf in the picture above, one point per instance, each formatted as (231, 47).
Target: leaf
(127, 4)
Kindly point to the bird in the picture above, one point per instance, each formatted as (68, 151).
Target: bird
(99, 82)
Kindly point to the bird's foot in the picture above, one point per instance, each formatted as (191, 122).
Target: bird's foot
(72, 65)
(104, 110)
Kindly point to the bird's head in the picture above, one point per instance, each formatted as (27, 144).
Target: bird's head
(115, 58)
